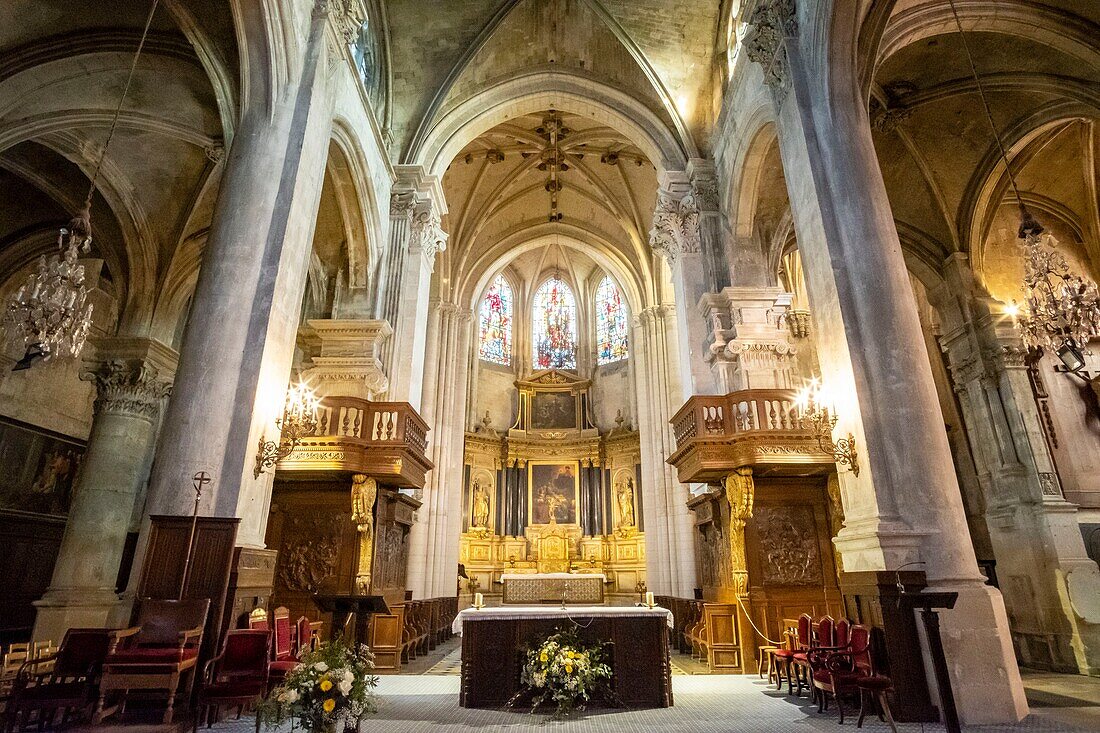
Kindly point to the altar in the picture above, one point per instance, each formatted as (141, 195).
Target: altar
(564, 588)
(493, 641)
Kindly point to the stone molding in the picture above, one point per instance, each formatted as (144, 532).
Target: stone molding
(130, 387)
(347, 17)
(348, 364)
(427, 234)
(770, 24)
(402, 204)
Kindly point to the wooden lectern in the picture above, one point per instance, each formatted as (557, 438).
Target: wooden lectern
(354, 611)
(927, 603)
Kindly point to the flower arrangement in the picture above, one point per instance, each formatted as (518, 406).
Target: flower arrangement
(564, 670)
(331, 689)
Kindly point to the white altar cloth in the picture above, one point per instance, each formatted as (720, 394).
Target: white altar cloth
(570, 612)
(551, 576)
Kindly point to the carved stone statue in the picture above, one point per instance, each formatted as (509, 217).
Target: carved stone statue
(480, 506)
(740, 492)
(624, 495)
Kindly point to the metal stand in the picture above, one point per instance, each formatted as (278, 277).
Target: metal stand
(201, 479)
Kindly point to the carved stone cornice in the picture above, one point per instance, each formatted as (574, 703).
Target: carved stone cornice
(127, 387)
(770, 24)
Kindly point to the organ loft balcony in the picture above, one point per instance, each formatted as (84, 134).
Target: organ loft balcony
(753, 427)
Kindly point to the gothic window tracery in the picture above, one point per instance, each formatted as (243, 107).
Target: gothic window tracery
(495, 323)
(554, 326)
(364, 51)
(611, 339)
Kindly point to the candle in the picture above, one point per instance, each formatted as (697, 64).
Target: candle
(649, 599)
(479, 600)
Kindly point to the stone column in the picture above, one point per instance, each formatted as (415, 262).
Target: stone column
(347, 361)
(239, 342)
(416, 237)
(1042, 567)
(132, 377)
(905, 505)
(433, 540)
(670, 547)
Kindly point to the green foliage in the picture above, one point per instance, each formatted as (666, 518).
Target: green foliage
(566, 671)
(332, 688)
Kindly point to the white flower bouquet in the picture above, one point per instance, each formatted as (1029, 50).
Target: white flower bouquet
(565, 671)
(331, 689)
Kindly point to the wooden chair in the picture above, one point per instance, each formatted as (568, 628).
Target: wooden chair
(838, 672)
(64, 681)
(822, 637)
(879, 687)
(283, 656)
(236, 677)
(257, 619)
(156, 654)
(303, 636)
(799, 643)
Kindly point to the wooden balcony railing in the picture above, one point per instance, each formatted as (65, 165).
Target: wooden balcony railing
(754, 427)
(385, 440)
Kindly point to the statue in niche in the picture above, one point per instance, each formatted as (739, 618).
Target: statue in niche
(480, 505)
(624, 494)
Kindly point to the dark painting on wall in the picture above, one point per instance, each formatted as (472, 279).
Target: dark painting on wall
(553, 497)
(553, 410)
(38, 468)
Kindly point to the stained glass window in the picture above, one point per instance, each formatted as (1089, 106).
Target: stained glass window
(610, 323)
(495, 323)
(554, 332)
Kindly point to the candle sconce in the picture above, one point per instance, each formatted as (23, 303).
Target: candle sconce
(299, 420)
(815, 414)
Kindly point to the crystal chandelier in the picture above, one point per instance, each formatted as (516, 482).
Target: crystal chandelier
(299, 420)
(50, 313)
(1061, 310)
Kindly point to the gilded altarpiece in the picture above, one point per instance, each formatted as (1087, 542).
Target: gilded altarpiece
(553, 494)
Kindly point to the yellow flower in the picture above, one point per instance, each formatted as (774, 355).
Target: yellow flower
(329, 704)
(543, 657)
(569, 669)
(326, 685)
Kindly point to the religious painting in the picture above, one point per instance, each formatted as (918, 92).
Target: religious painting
(553, 490)
(553, 411)
(39, 469)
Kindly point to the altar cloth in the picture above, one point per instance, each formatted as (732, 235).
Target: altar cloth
(570, 612)
(551, 576)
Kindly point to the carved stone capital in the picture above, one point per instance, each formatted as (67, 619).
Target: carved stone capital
(402, 204)
(427, 236)
(770, 24)
(127, 387)
(675, 228)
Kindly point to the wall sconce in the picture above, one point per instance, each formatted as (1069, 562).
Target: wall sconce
(813, 410)
(299, 420)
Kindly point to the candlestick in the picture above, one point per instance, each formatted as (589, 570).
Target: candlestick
(649, 599)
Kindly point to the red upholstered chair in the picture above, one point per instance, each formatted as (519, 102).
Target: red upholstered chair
(822, 637)
(257, 619)
(156, 654)
(236, 677)
(785, 658)
(839, 672)
(283, 656)
(64, 681)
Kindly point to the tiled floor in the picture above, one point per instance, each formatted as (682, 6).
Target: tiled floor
(704, 704)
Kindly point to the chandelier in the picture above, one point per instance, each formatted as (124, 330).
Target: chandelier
(1061, 310)
(815, 413)
(50, 313)
(298, 421)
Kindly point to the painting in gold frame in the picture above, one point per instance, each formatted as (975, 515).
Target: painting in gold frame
(553, 489)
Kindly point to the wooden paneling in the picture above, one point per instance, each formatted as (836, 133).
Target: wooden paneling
(31, 544)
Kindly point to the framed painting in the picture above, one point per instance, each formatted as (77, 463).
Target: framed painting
(554, 411)
(553, 489)
(39, 468)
